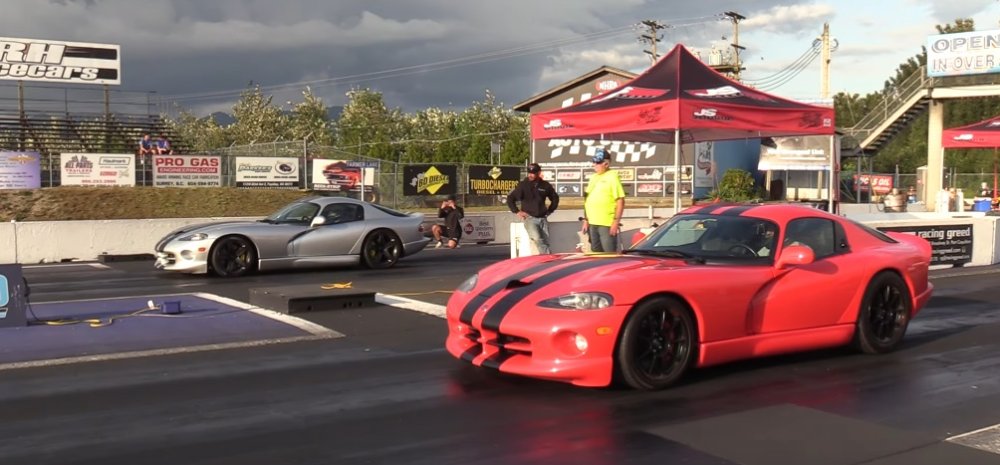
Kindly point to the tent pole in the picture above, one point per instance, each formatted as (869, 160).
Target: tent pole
(831, 182)
(995, 175)
(677, 171)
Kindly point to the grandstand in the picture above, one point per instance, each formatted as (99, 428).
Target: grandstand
(55, 119)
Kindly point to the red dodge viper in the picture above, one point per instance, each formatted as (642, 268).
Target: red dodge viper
(714, 284)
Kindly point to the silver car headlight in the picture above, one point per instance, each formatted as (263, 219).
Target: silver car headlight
(579, 301)
(194, 237)
(469, 284)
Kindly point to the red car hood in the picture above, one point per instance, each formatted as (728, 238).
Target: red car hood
(599, 268)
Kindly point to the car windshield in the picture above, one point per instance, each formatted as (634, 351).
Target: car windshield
(295, 212)
(713, 237)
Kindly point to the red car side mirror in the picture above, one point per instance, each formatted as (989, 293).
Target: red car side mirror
(795, 255)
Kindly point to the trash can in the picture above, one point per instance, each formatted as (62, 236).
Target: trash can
(981, 205)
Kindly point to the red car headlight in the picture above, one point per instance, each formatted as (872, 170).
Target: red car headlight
(579, 301)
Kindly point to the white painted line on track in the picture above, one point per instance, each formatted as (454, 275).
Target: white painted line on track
(411, 304)
(307, 326)
(100, 266)
(158, 352)
(970, 433)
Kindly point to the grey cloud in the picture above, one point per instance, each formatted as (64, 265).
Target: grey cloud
(180, 47)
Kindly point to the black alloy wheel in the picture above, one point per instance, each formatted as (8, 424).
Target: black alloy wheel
(233, 256)
(884, 314)
(381, 249)
(657, 344)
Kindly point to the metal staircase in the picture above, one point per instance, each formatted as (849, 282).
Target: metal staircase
(893, 114)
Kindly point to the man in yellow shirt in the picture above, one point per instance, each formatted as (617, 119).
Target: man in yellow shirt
(603, 205)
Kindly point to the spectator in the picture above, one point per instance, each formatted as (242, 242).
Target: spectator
(146, 145)
(603, 205)
(452, 228)
(163, 146)
(532, 192)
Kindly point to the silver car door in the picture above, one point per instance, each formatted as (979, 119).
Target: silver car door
(344, 224)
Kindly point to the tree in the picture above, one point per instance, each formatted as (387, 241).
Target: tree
(257, 120)
(368, 127)
(200, 134)
(309, 120)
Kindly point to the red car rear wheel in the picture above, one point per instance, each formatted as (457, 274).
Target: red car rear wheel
(884, 314)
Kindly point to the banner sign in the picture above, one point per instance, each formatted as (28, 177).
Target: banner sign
(267, 173)
(705, 169)
(59, 62)
(187, 171)
(478, 229)
(799, 153)
(20, 170)
(963, 53)
(493, 180)
(880, 184)
(950, 244)
(97, 169)
(429, 179)
(342, 175)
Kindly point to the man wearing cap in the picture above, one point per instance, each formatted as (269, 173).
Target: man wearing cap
(604, 202)
(452, 228)
(532, 192)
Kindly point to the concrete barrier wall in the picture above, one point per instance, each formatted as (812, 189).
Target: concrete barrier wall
(54, 241)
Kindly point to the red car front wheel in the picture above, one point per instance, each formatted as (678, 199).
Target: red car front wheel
(657, 344)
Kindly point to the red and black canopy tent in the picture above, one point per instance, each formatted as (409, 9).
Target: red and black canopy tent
(984, 134)
(681, 100)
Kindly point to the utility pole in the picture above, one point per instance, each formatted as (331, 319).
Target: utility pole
(735, 18)
(824, 82)
(652, 37)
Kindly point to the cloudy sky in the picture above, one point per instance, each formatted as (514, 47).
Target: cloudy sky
(446, 53)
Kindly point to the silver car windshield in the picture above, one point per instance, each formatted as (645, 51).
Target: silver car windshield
(297, 212)
(713, 237)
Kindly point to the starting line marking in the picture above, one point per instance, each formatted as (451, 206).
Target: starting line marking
(411, 304)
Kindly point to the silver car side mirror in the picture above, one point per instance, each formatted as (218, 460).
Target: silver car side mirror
(318, 221)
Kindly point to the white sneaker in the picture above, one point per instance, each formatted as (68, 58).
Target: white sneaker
(438, 245)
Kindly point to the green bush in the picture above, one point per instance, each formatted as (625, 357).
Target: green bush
(736, 186)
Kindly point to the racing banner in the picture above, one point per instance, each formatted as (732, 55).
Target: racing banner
(59, 62)
(429, 179)
(478, 229)
(267, 173)
(187, 171)
(806, 153)
(493, 180)
(97, 169)
(20, 170)
(342, 175)
(950, 244)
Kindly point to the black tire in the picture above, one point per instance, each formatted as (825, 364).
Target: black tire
(657, 345)
(372, 196)
(232, 256)
(884, 314)
(381, 249)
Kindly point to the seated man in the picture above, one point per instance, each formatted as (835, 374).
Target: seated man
(146, 145)
(452, 227)
(163, 146)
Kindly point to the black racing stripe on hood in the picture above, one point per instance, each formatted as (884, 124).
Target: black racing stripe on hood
(737, 211)
(496, 314)
(470, 308)
(710, 209)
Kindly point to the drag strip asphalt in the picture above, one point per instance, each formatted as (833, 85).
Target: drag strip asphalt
(388, 393)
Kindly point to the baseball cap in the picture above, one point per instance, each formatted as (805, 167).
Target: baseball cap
(451, 197)
(601, 156)
(534, 168)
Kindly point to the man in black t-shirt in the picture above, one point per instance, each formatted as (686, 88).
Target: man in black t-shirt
(532, 192)
(452, 228)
